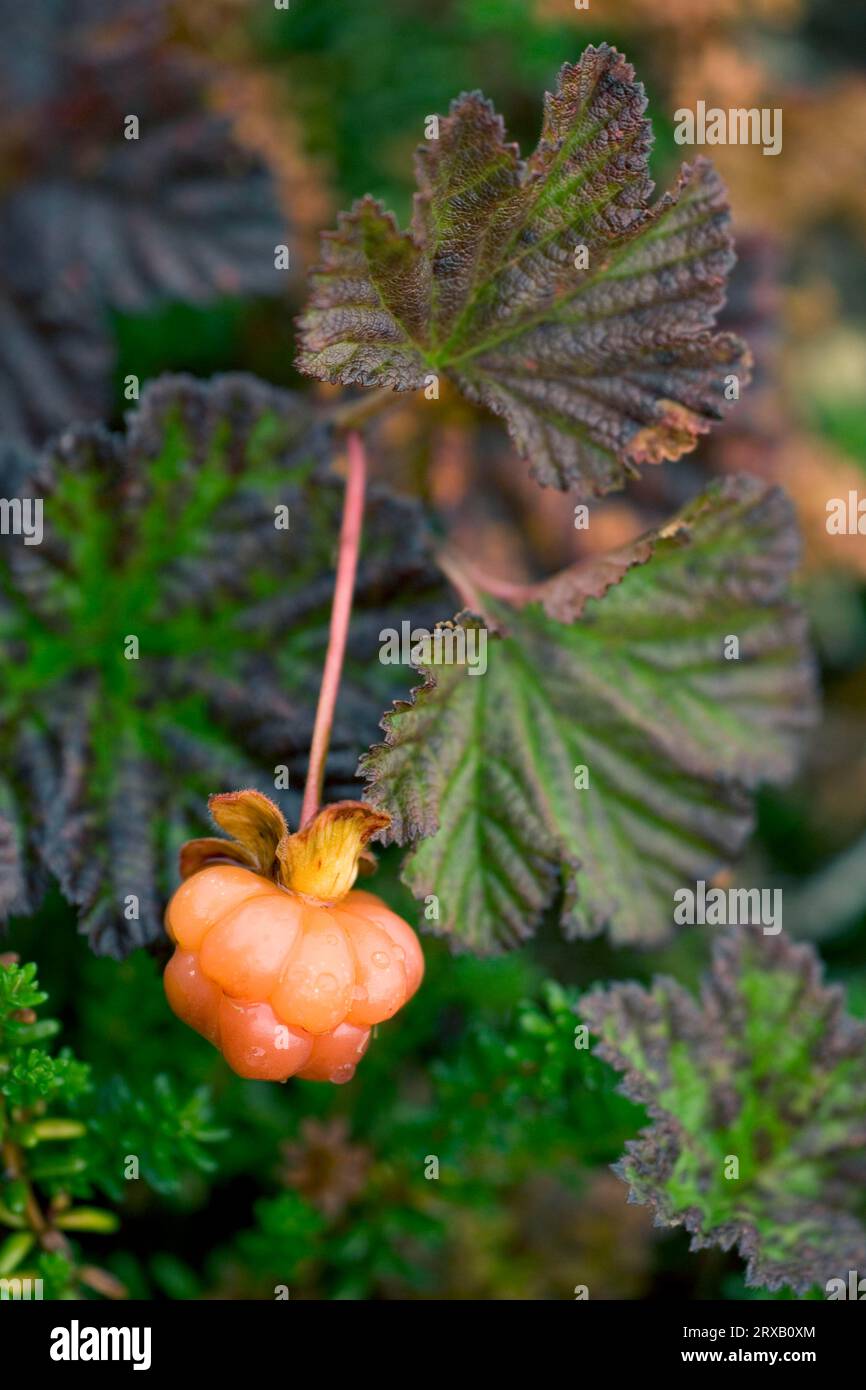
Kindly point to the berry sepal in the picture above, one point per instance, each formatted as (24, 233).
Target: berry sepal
(319, 862)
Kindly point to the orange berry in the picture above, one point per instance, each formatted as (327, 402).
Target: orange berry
(255, 1044)
(315, 989)
(399, 931)
(199, 903)
(287, 983)
(245, 951)
(381, 987)
(335, 1055)
(193, 997)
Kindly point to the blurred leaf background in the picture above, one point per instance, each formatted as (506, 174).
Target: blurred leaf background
(324, 1189)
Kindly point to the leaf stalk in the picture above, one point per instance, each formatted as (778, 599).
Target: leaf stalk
(341, 612)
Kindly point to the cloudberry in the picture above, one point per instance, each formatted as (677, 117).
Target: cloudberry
(279, 961)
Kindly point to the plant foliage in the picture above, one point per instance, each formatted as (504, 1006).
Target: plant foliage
(617, 668)
(66, 1136)
(767, 1069)
(166, 637)
(94, 217)
(595, 369)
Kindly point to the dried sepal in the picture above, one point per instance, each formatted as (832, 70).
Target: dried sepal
(254, 821)
(199, 854)
(321, 861)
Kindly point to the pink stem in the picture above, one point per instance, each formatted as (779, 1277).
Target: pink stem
(341, 612)
(471, 583)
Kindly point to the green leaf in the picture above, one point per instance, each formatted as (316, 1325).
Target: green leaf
(287, 1234)
(57, 1275)
(595, 369)
(617, 667)
(88, 1219)
(34, 1076)
(521, 1093)
(171, 1133)
(165, 639)
(52, 1169)
(766, 1068)
(19, 989)
(15, 1195)
(14, 1249)
(49, 1130)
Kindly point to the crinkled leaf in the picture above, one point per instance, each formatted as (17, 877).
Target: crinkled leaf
(92, 219)
(628, 679)
(766, 1068)
(594, 370)
(55, 358)
(167, 535)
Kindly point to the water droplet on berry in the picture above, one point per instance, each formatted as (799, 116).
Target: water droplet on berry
(340, 1075)
(258, 1051)
(326, 983)
(399, 953)
(380, 958)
